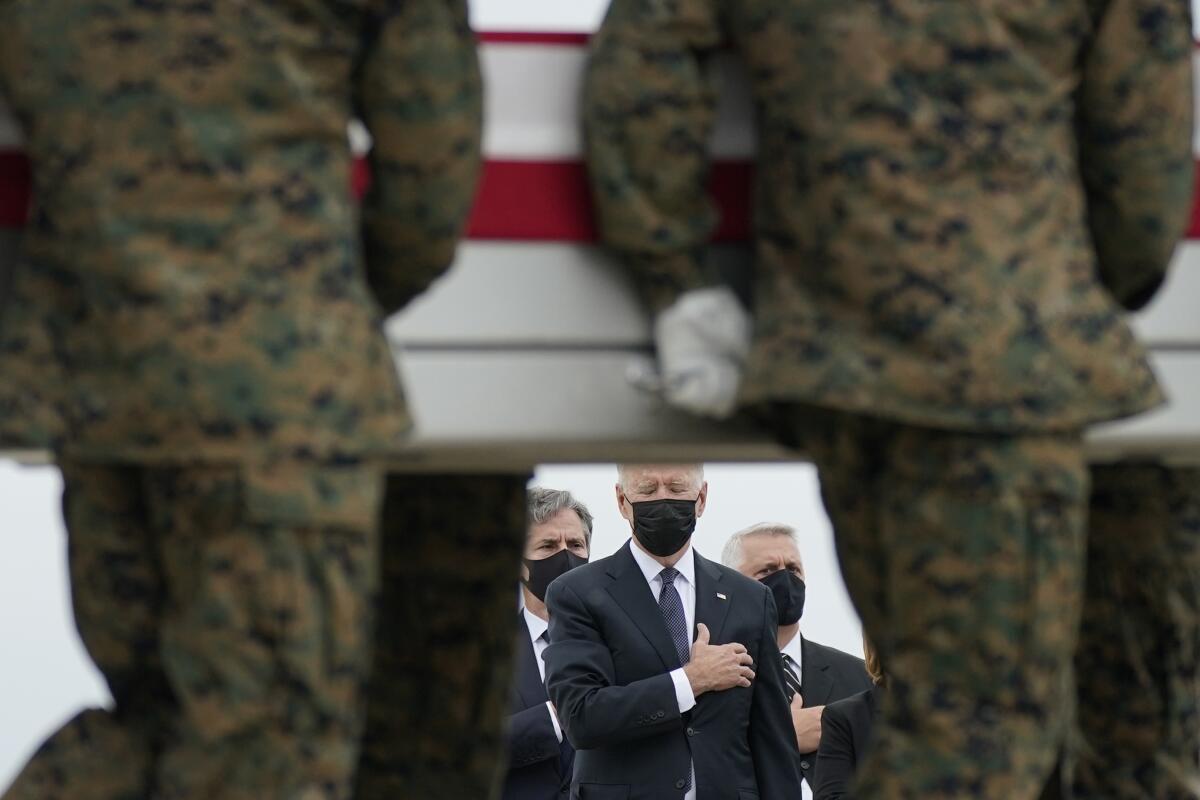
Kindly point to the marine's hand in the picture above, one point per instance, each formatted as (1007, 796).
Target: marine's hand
(714, 668)
(702, 342)
(807, 722)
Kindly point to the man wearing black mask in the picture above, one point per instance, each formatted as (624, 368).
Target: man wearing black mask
(815, 674)
(558, 539)
(663, 664)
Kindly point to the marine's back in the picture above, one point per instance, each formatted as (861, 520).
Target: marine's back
(952, 200)
(194, 248)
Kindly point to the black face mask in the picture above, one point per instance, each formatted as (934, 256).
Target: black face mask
(545, 570)
(788, 590)
(663, 526)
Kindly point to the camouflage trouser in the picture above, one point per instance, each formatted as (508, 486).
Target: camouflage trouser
(963, 554)
(230, 612)
(439, 690)
(1138, 663)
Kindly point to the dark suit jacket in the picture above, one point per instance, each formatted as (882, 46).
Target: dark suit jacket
(539, 767)
(845, 733)
(828, 675)
(607, 672)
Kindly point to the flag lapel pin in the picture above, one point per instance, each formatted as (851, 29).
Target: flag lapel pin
(723, 597)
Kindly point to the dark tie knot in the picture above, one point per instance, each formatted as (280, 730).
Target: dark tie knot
(668, 575)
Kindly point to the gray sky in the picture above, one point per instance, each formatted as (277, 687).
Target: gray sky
(45, 676)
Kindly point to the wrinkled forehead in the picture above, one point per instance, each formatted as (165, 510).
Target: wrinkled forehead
(774, 547)
(648, 477)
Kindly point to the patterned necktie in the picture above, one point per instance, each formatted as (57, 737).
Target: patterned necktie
(791, 684)
(672, 610)
(671, 607)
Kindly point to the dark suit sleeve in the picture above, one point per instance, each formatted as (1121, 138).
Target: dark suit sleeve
(419, 92)
(772, 736)
(648, 108)
(835, 757)
(531, 737)
(580, 679)
(1135, 140)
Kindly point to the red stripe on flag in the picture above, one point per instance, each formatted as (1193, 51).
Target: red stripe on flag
(533, 200)
(518, 200)
(551, 201)
(16, 182)
(360, 177)
(1193, 231)
(731, 186)
(529, 37)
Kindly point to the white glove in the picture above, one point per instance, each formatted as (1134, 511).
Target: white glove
(702, 342)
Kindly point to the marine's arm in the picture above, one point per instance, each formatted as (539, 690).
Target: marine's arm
(419, 92)
(648, 109)
(1135, 140)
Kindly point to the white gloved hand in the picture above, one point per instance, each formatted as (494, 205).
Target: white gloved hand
(702, 340)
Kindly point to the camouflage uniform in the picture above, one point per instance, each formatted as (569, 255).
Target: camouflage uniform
(195, 334)
(977, 631)
(1138, 662)
(231, 619)
(438, 698)
(957, 199)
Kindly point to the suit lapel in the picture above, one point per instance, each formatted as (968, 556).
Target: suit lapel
(631, 592)
(710, 609)
(815, 683)
(529, 684)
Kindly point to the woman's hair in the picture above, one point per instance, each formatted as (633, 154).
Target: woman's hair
(874, 665)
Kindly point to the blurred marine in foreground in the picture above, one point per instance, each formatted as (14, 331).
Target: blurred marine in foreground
(196, 334)
(956, 204)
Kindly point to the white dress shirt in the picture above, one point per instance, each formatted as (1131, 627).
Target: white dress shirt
(793, 651)
(537, 626)
(685, 584)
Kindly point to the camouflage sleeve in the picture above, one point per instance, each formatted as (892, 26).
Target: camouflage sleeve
(419, 92)
(648, 108)
(1135, 140)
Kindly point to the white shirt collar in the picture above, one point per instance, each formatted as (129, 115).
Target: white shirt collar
(793, 650)
(651, 568)
(537, 626)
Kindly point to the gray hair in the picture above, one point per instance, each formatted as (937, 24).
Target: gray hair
(731, 554)
(696, 471)
(545, 503)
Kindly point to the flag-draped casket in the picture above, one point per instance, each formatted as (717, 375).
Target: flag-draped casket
(521, 352)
